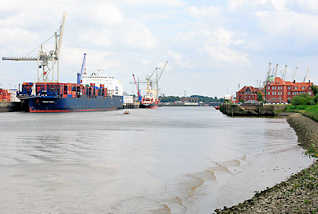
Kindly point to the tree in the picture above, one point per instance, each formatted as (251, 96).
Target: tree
(303, 99)
(314, 89)
(259, 96)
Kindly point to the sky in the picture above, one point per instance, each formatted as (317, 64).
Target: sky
(212, 47)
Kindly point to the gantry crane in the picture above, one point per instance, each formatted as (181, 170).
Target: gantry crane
(150, 90)
(83, 70)
(48, 61)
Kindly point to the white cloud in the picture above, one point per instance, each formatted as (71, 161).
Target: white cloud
(95, 59)
(174, 3)
(104, 13)
(195, 36)
(210, 11)
(137, 35)
(97, 38)
(12, 38)
(289, 24)
(176, 59)
(227, 55)
(235, 5)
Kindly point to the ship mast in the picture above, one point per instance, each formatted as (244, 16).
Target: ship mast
(48, 61)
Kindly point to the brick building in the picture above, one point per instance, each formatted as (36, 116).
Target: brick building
(280, 91)
(248, 94)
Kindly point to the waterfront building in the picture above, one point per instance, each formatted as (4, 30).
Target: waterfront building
(280, 91)
(248, 94)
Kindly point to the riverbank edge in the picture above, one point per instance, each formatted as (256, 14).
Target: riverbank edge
(256, 110)
(298, 194)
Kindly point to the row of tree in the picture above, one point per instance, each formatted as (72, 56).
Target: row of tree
(306, 99)
(197, 98)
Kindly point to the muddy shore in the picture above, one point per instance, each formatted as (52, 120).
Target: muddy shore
(299, 194)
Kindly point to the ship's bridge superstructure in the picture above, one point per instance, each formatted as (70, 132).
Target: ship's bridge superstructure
(113, 85)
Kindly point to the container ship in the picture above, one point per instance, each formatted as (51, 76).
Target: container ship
(91, 92)
(66, 97)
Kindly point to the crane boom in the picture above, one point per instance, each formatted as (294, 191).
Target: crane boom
(21, 58)
(162, 70)
(58, 49)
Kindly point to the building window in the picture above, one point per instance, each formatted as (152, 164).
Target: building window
(288, 93)
(268, 93)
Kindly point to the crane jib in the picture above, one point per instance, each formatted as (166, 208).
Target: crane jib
(21, 58)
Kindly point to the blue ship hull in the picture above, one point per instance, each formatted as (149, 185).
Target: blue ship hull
(68, 104)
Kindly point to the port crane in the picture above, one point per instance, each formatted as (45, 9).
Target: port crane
(150, 90)
(48, 61)
(137, 87)
(83, 70)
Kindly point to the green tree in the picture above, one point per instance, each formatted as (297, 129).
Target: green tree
(259, 96)
(303, 99)
(314, 89)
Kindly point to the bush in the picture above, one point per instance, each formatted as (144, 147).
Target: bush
(303, 99)
(298, 108)
(314, 89)
(312, 112)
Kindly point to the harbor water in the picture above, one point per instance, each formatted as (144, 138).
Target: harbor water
(166, 160)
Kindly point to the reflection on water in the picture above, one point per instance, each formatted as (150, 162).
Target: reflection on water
(169, 160)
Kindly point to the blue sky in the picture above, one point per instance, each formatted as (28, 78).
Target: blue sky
(211, 46)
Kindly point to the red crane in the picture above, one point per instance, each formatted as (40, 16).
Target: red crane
(137, 87)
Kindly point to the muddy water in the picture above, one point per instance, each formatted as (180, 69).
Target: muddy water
(168, 160)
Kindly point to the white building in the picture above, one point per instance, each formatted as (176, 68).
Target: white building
(113, 85)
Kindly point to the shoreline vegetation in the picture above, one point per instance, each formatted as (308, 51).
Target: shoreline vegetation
(298, 194)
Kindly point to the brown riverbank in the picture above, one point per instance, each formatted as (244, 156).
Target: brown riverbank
(299, 194)
(257, 110)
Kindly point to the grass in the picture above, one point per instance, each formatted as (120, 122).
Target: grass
(310, 111)
(296, 108)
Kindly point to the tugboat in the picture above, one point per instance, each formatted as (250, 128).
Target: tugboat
(49, 95)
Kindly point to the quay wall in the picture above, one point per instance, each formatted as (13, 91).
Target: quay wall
(251, 110)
